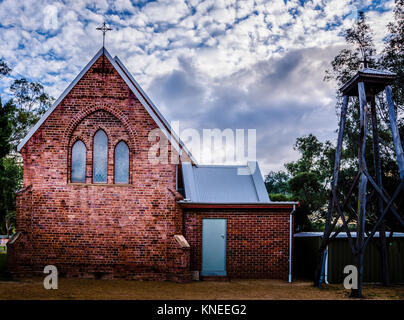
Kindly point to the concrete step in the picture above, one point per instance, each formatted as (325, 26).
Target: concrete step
(215, 278)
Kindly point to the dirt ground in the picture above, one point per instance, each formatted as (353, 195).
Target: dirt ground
(32, 288)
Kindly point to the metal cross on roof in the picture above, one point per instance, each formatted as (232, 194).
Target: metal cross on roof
(104, 28)
(364, 61)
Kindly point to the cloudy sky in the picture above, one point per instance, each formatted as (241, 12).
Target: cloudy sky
(246, 64)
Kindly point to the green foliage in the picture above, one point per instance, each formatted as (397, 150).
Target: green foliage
(344, 66)
(315, 156)
(393, 54)
(4, 69)
(29, 101)
(276, 182)
(309, 177)
(306, 181)
(6, 128)
(10, 182)
(348, 61)
(10, 170)
(311, 174)
(280, 197)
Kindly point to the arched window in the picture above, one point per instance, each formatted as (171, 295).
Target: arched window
(79, 151)
(100, 157)
(121, 163)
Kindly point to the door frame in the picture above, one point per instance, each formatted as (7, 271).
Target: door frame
(225, 248)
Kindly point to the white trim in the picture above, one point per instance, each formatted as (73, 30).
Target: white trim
(191, 192)
(259, 184)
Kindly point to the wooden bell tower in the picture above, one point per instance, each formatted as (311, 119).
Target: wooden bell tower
(365, 85)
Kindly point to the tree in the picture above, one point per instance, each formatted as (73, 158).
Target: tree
(31, 102)
(344, 66)
(276, 182)
(310, 176)
(305, 180)
(348, 61)
(392, 57)
(6, 128)
(10, 170)
(4, 69)
(306, 187)
(10, 183)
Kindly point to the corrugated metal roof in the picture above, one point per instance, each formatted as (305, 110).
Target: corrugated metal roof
(366, 75)
(344, 235)
(377, 72)
(224, 184)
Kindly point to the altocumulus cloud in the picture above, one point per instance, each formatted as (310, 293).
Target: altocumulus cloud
(246, 64)
(281, 98)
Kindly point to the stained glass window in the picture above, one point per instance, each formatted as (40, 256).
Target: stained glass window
(121, 163)
(78, 162)
(100, 157)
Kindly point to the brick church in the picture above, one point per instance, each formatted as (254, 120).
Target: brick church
(93, 205)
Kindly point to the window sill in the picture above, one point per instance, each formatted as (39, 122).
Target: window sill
(100, 184)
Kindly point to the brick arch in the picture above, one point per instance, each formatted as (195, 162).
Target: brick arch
(71, 143)
(116, 141)
(74, 139)
(133, 143)
(102, 127)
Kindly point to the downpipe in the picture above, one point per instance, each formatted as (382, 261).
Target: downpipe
(326, 267)
(290, 242)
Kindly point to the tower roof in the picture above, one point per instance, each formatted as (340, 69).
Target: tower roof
(375, 81)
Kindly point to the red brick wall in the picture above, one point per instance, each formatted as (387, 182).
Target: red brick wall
(95, 230)
(257, 241)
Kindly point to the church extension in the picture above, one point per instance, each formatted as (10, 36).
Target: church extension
(93, 205)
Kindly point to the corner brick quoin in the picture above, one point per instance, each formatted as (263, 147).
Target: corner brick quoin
(123, 231)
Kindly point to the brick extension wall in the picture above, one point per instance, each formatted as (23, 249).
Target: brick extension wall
(257, 241)
(90, 230)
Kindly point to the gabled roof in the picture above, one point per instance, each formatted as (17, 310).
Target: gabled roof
(137, 91)
(224, 184)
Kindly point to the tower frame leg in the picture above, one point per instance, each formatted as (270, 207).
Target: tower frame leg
(360, 231)
(328, 227)
(380, 206)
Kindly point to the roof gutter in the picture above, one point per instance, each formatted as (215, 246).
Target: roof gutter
(256, 205)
